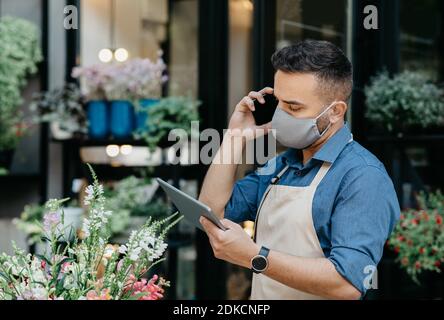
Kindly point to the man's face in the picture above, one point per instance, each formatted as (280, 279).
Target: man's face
(299, 95)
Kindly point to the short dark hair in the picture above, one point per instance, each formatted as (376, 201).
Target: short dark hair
(322, 58)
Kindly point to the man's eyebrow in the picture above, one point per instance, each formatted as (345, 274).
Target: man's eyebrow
(293, 102)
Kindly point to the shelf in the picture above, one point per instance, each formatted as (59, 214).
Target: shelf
(407, 138)
(106, 172)
(20, 177)
(85, 142)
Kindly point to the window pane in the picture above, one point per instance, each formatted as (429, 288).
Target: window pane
(311, 19)
(421, 36)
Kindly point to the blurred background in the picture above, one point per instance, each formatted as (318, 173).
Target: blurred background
(104, 81)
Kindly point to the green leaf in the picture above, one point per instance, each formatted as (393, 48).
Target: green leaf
(137, 296)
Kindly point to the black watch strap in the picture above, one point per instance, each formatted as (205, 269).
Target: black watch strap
(264, 251)
(261, 256)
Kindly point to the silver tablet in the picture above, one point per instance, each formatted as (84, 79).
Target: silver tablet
(191, 208)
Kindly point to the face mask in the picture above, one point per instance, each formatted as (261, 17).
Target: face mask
(296, 133)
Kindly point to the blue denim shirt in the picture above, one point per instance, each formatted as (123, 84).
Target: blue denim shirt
(355, 207)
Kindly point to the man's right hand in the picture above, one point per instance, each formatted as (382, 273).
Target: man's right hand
(242, 118)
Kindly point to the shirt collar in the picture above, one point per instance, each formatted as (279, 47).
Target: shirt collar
(329, 151)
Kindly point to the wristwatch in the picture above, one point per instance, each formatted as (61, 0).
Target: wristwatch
(259, 263)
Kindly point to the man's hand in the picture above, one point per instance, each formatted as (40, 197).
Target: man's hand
(242, 117)
(233, 245)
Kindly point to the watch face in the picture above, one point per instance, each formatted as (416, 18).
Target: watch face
(259, 263)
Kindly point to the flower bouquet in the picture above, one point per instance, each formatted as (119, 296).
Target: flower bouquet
(418, 239)
(88, 268)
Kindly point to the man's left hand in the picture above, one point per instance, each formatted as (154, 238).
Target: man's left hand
(233, 245)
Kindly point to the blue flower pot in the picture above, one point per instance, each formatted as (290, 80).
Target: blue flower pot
(121, 119)
(142, 114)
(98, 119)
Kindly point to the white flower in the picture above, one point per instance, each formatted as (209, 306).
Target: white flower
(85, 228)
(123, 249)
(89, 195)
(134, 255)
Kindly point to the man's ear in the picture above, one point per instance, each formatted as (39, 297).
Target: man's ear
(338, 111)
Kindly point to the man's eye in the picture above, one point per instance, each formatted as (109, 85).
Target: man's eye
(294, 108)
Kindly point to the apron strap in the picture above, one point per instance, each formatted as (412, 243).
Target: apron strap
(321, 174)
(324, 169)
(279, 175)
(274, 181)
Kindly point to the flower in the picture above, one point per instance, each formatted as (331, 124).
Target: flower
(419, 230)
(38, 293)
(133, 79)
(123, 249)
(104, 295)
(50, 221)
(147, 290)
(89, 195)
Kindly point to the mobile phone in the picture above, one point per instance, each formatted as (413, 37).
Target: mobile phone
(264, 112)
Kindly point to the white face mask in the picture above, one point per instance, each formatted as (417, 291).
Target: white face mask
(297, 133)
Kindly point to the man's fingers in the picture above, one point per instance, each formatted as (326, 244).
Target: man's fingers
(248, 103)
(228, 223)
(256, 96)
(209, 227)
(266, 90)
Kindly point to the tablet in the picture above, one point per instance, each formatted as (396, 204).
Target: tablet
(191, 208)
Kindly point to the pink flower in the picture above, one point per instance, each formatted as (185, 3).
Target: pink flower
(149, 290)
(65, 266)
(50, 220)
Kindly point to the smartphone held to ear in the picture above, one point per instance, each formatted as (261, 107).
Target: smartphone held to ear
(264, 112)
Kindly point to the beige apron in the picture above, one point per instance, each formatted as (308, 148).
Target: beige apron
(284, 223)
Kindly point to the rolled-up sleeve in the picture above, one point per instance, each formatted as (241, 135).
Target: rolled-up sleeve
(365, 212)
(243, 202)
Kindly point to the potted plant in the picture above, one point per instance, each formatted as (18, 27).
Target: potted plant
(146, 78)
(93, 81)
(168, 114)
(418, 239)
(19, 55)
(63, 109)
(119, 95)
(406, 101)
(133, 198)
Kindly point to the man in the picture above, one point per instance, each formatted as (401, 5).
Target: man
(323, 216)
